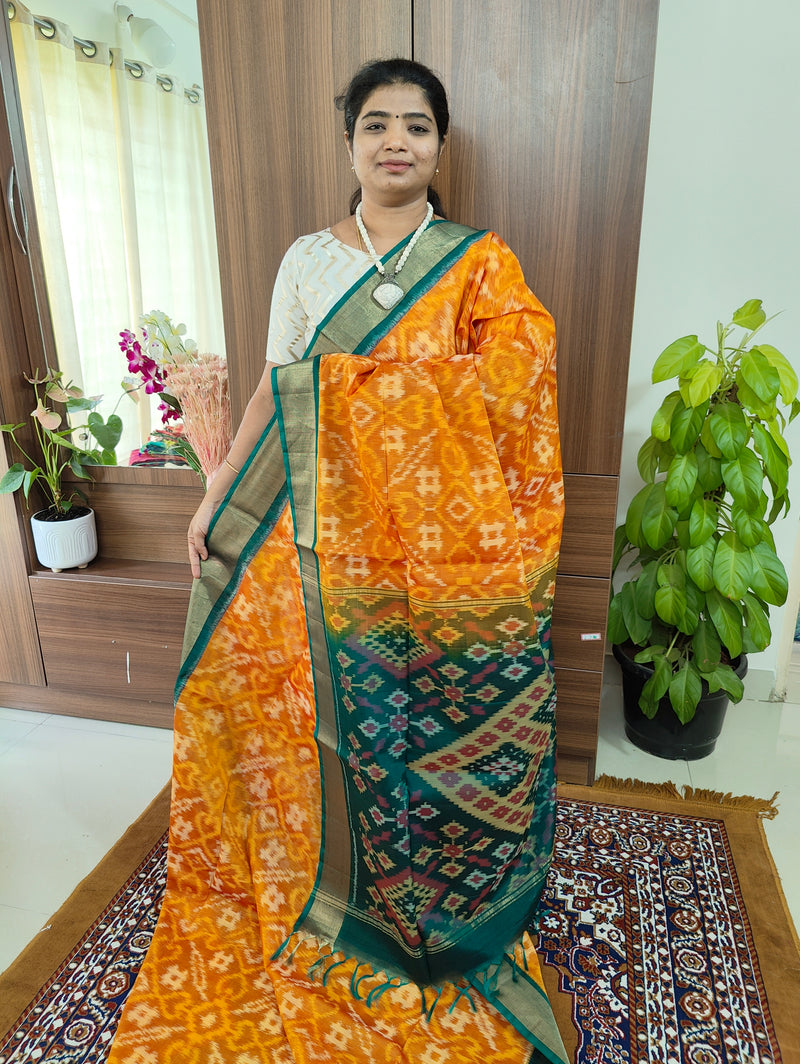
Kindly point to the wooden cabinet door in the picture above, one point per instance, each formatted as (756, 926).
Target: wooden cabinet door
(550, 107)
(279, 166)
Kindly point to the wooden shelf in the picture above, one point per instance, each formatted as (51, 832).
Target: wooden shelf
(124, 571)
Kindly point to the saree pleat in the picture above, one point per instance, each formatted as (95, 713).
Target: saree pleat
(364, 772)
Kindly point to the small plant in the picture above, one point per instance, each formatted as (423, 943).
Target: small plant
(58, 450)
(699, 530)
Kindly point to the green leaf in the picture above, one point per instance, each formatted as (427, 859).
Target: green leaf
(750, 315)
(671, 600)
(682, 532)
(684, 691)
(658, 518)
(748, 526)
(645, 590)
(743, 478)
(12, 478)
(706, 646)
(709, 467)
(775, 461)
(681, 479)
(757, 622)
(638, 627)
(675, 359)
(685, 427)
(732, 566)
(616, 632)
(786, 373)
(663, 416)
(768, 578)
(647, 460)
(700, 382)
(649, 654)
(700, 563)
(621, 542)
(758, 374)
(702, 521)
(729, 429)
(726, 617)
(656, 687)
(722, 677)
(633, 518)
(774, 430)
(108, 433)
(707, 440)
(752, 402)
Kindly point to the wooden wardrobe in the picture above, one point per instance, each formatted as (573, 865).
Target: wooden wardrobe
(550, 104)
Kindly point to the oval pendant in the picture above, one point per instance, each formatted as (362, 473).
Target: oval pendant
(388, 294)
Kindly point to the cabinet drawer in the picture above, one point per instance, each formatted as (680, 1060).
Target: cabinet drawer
(580, 611)
(110, 638)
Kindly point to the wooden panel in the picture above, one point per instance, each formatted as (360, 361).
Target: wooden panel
(148, 523)
(579, 614)
(551, 105)
(278, 162)
(73, 703)
(590, 515)
(110, 638)
(578, 696)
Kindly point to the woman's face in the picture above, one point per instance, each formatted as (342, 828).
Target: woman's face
(395, 146)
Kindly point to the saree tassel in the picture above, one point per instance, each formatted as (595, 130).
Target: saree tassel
(426, 1011)
(283, 946)
(330, 968)
(317, 963)
(511, 960)
(377, 992)
(463, 991)
(356, 979)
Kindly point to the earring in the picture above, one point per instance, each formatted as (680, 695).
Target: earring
(437, 171)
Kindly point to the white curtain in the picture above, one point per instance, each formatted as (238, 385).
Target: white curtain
(122, 191)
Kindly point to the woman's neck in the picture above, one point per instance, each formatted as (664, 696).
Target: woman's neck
(388, 225)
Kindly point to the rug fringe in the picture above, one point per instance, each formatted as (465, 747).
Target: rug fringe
(764, 808)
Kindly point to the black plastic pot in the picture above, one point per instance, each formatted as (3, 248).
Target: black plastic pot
(664, 735)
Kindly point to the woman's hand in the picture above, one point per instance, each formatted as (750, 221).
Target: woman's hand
(198, 530)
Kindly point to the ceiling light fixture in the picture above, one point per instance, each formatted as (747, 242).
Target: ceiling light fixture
(156, 44)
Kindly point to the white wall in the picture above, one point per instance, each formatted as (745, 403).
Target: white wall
(721, 217)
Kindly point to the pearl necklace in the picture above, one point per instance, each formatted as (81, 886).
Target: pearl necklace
(389, 293)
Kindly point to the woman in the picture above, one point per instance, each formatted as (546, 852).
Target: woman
(363, 795)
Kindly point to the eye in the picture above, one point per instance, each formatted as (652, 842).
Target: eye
(422, 130)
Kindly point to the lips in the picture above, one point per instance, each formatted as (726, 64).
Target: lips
(395, 168)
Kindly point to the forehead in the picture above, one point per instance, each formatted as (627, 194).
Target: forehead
(397, 99)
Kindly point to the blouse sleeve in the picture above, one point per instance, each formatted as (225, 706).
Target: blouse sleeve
(286, 339)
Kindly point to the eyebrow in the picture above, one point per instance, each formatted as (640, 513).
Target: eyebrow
(387, 114)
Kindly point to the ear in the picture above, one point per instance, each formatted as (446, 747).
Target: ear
(348, 145)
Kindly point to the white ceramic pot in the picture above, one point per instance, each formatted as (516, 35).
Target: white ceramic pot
(65, 544)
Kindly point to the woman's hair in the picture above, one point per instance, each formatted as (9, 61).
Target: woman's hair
(376, 75)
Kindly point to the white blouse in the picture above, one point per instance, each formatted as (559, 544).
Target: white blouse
(315, 273)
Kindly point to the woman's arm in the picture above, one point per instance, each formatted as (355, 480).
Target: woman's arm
(256, 417)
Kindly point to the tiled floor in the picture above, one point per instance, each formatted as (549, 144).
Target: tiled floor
(70, 787)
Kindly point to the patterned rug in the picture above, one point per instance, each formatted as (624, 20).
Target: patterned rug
(657, 948)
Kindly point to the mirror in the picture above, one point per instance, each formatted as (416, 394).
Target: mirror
(118, 159)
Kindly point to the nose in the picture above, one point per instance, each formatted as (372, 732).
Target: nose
(395, 139)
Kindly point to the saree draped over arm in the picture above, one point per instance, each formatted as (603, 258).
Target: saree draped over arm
(364, 785)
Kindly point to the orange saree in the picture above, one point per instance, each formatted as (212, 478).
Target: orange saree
(364, 785)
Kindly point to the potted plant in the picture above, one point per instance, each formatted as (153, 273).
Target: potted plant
(64, 533)
(697, 535)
